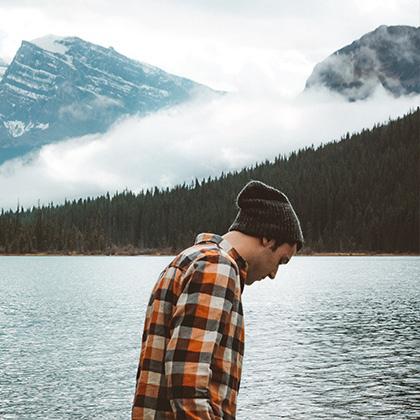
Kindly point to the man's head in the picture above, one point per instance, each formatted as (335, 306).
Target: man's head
(265, 257)
(271, 229)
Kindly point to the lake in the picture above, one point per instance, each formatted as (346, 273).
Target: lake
(329, 338)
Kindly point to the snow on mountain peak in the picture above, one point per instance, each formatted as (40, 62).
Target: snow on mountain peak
(51, 43)
(56, 88)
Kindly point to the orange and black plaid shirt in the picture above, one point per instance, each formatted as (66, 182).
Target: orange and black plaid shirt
(193, 341)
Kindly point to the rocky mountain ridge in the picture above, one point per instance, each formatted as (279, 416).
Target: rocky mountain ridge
(57, 88)
(389, 57)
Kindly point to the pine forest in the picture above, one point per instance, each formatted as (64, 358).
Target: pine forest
(358, 194)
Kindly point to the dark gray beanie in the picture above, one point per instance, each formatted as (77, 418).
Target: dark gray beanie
(266, 212)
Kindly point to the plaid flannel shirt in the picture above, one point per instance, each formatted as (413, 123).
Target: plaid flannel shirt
(193, 341)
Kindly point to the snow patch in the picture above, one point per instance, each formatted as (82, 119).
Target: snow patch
(155, 92)
(42, 126)
(30, 83)
(18, 128)
(51, 43)
(148, 69)
(25, 93)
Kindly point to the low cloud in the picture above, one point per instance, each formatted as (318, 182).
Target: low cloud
(87, 111)
(198, 139)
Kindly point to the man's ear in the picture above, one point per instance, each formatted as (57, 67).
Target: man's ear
(268, 243)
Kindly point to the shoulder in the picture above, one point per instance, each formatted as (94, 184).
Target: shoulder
(204, 255)
(208, 262)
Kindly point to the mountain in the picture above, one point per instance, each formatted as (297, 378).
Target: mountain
(57, 88)
(389, 56)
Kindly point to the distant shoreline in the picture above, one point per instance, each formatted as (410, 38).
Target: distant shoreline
(170, 254)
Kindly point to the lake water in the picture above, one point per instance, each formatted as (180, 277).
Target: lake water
(329, 338)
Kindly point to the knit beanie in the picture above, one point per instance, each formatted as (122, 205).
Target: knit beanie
(266, 212)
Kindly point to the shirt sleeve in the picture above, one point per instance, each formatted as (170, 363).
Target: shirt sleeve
(202, 310)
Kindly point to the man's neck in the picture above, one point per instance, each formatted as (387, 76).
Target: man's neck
(243, 243)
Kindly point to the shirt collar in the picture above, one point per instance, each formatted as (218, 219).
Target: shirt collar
(225, 245)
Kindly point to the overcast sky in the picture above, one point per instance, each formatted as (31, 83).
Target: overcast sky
(263, 51)
(216, 42)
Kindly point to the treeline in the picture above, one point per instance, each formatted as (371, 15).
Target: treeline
(357, 194)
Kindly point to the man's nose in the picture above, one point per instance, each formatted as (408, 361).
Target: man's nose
(272, 275)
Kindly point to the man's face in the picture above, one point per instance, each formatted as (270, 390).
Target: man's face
(267, 260)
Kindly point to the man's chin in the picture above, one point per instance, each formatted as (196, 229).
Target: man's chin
(249, 281)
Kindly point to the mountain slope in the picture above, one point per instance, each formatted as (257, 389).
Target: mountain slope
(388, 56)
(57, 88)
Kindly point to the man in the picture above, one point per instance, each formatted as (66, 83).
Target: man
(193, 340)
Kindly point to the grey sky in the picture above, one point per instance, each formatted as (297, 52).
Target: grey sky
(213, 42)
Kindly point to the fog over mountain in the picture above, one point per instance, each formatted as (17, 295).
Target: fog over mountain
(196, 139)
(389, 57)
